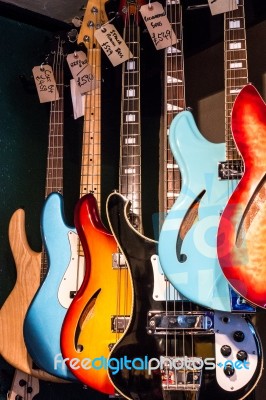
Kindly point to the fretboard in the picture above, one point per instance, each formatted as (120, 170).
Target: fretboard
(236, 68)
(91, 145)
(174, 102)
(54, 170)
(130, 135)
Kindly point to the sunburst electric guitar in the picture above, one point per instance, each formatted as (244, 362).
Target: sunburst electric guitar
(190, 262)
(31, 265)
(162, 326)
(241, 233)
(44, 319)
(104, 299)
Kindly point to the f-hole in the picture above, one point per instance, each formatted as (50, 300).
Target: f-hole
(85, 316)
(189, 219)
(253, 207)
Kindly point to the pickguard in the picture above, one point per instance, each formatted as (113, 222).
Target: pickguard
(74, 274)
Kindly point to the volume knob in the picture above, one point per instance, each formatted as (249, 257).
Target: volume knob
(229, 370)
(226, 350)
(242, 355)
(239, 336)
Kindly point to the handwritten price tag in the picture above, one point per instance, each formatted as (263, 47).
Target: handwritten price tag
(45, 83)
(82, 72)
(112, 44)
(158, 25)
(222, 6)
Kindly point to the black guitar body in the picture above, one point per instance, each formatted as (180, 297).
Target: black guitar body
(138, 343)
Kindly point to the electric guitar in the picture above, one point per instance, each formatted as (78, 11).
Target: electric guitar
(241, 233)
(104, 299)
(163, 326)
(190, 262)
(30, 265)
(45, 316)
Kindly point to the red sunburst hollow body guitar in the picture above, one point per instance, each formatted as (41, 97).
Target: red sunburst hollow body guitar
(242, 230)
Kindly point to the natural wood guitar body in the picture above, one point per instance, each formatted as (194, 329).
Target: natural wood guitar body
(13, 311)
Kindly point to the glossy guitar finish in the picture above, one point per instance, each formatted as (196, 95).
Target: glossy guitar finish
(190, 263)
(13, 311)
(42, 337)
(104, 293)
(242, 228)
(137, 342)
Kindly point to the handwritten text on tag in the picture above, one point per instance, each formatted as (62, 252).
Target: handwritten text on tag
(158, 25)
(112, 44)
(82, 72)
(222, 6)
(45, 83)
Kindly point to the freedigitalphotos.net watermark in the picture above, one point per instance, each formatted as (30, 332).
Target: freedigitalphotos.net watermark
(148, 364)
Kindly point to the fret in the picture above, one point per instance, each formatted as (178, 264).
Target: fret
(174, 102)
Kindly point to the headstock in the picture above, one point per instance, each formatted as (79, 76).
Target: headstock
(94, 17)
(129, 10)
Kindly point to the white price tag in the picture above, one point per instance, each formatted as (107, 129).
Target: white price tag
(158, 25)
(82, 72)
(222, 6)
(45, 83)
(112, 44)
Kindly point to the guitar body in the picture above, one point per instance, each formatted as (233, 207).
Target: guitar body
(13, 311)
(190, 262)
(242, 229)
(138, 342)
(86, 332)
(44, 318)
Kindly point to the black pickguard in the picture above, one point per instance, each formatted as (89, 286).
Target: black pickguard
(136, 342)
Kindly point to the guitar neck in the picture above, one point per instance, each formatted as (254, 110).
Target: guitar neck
(174, 102)
(130, 135)
(54, 170)
(91, 146)
(236, 68)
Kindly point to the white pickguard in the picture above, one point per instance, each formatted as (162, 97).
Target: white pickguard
(162, 289)
(23, 386)
(224, 336)
(74, 274)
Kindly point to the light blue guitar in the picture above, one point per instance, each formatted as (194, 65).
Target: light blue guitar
(209, 173)
(46, 313)
(190, 262)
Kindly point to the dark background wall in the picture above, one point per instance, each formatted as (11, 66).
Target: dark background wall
(24, 129)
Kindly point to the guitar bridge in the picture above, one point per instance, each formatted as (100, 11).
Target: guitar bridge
(119, 323)
(185, 376)
(162, 323)
(118, 261)
(230, 169)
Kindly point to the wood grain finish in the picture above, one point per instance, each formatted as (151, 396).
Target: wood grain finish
(28, 263)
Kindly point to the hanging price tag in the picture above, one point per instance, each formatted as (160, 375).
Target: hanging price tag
(112, 44)
(82, 72)
(158, 25)
(45, 83)
(222, 6)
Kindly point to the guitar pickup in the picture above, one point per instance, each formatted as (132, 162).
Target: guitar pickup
(230, 169)
(161, 323)
(186, 378)
(119, 323)
(118, 261)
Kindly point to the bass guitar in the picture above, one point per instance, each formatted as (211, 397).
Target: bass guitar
(65, 272)
(190, 261)
(241, 233)
(30, 265)
(164, 328)
(99, 311)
